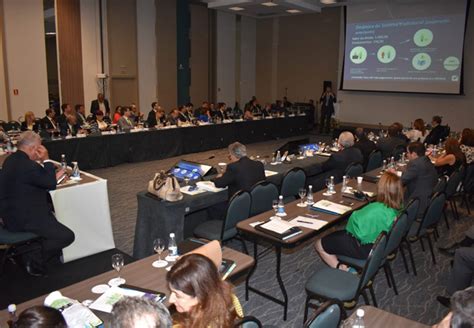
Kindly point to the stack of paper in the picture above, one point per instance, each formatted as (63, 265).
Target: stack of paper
(278, 226)
(303, 221)
(327, 206)
(208, 186)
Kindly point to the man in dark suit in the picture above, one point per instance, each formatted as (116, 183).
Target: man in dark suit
(420, 177)
(337, 164)
(151, 120)
(438, 132)
(100, 104)
(327, 100)
(70, 126)
(173, 117)
(80, 114)
(67, 110)
(27, 200)
(48, 123)
(388, 144)
(365, 145)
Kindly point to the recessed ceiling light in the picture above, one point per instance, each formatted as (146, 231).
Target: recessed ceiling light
(269, 4)
(328, 2)
(236, 8)
(293, 11)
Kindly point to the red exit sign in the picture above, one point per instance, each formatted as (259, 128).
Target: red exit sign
(15, 92)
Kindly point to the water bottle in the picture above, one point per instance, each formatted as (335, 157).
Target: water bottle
(392, 162)
(331, 185)
(344, 183)
(12, 312)
(402, 158)
(440, 144)
(172, 246)
(309, 195)
(384, 165)
(278, 157)
(63, 161)
(10, 145)
(76, 173)
(359, 320)
(281, 206)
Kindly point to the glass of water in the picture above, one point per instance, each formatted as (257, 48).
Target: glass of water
(302, 194)
(117, 264)
(159, 247)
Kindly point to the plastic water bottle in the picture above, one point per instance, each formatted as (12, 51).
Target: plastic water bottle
(172, 246)
(13, 318)
(359, 320)
(392, 162)
(309, 195)
(76, 173)
(384, 165)
(9, 145)
(331, 185)
(281, 206)
(344, 183)
(63, 161)
(278, 157)
(440, 144)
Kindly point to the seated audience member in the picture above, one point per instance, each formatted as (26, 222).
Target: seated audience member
(255, 107)
(286, 102)
(48, 122)
(67, 110)
(467, 145)
(201, 298)
(221, 113)
(364, 225)
(136, 116)
(420, 176)
(29, 124)
(101, 104)
(338, 162)
(388, 144)
(400, 133)
(40, 317)
(152, 122)
(248, 115)
(117, 114)
(237, 112)
(125, 122)
(241, 173)
(27, 206)
(70, 126)
(267, 110)
(3, 136)
(418, 131)
(438, 132)
(365, 145)
(131, 312)
(201, 110)
(183, 114)
(452, 158)
(205, 115)
(99, 118)
(190, 111)
(173, 117)
(462, 310)
(81, 114)
(160, 117)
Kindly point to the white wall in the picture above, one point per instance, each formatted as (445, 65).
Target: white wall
(372, 108)
(248, 48)
(90, 38)
(146, 45)
(225, 61)
(26, 56)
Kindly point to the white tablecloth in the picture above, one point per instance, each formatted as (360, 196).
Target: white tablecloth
(84, 208)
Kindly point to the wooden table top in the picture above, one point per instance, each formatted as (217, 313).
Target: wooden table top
(293, 211)
(139, 273)
(375, 317)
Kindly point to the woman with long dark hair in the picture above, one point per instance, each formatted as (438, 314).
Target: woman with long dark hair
(201, 298)
(451, 160)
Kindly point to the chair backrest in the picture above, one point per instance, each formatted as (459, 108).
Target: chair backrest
(328, 315)
(396, 233)
(374, 261)
(440, 185)
(375, 160)
(14, 125)
(453, 183)
(433, 212)
(238, 210)
(412, 211)
(263, 193)
(292, 182)
(248, 322)
(398, 151)
(354, 170)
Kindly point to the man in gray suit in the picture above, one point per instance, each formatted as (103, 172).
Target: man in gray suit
(420, 176)
(125, 122)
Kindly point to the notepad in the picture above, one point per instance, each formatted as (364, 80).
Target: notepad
(306, 222)
(279, 229)
(329, 207)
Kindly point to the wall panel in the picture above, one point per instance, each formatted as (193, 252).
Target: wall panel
(199, 89)
(225, 57)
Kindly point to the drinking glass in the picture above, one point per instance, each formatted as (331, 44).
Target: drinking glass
(275, 205)
(117, 264)
(159, 247)
(302, 194)
(330, 186)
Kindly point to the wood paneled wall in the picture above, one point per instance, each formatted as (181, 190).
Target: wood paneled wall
(70, 51)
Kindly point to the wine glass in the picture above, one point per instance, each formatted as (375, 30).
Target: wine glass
(117, 264)
(159, 247)
(275, 205)
(302, 194)
(330, 186)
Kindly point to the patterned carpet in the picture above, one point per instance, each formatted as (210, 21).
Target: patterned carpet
(417, 295)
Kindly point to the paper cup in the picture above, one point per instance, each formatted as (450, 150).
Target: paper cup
(360, 179)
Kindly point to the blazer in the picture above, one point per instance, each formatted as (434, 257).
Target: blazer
(64, 126)
(366, 147)
(337, 164)
(437, 133)
(28, 185)
(387, 145)
(47, 125)
(81, 120)
(420, 178)
(152, 119)
(241, 175)
(23, 127)
(124, 124)
(329, 108)
(95, 106)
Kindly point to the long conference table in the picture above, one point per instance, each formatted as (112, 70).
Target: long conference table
(157, 218)
(93, 152)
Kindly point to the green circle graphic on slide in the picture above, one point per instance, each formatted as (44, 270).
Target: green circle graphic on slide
(423, 37)
(451, 63)
(358, 55)
(421, 61)
(386, 54)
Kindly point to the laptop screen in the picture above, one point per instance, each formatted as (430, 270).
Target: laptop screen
(191, 170)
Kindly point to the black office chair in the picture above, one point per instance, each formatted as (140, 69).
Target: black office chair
(398, 151)
(10, 243)
(412, 212)
(375, 160)
(354, 170)
(248, 322)
(263, 193)
(468, 185)
(452, 188)
(13, 125)
(292, 182)
(328, 315)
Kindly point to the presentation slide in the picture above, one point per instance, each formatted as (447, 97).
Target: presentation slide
(405, 48)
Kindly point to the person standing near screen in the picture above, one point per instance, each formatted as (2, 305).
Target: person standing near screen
(327, 100)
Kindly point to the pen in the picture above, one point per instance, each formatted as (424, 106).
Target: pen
(304, 222)
(312, 215)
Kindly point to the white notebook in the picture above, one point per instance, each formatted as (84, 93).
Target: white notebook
(331, 207)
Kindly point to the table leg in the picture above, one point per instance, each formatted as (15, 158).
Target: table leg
(255, 256)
